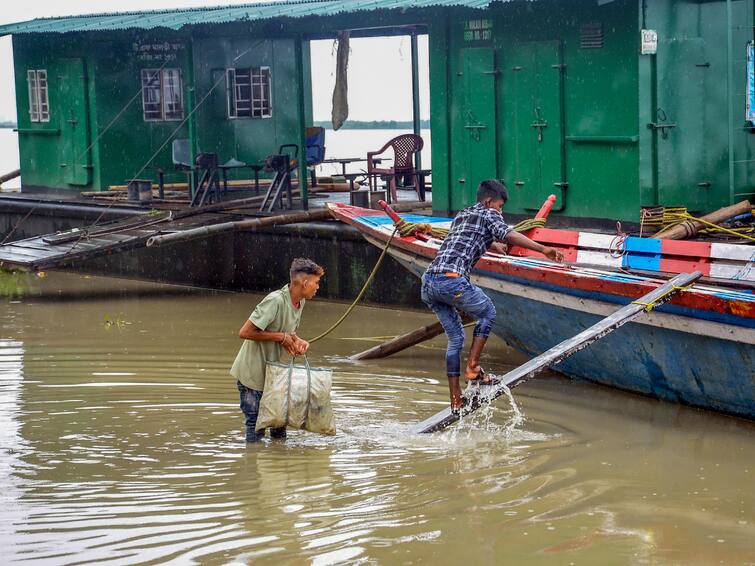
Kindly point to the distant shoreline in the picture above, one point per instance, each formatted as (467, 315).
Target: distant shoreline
(350, 125)
(374, 124)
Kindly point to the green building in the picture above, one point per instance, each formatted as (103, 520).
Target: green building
(610, 104)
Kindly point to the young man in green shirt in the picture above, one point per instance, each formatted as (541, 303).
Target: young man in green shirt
(270, 329)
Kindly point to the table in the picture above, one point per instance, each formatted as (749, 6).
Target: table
(346, 160)
(234, 164)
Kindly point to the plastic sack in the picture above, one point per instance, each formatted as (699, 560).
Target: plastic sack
(297, 397)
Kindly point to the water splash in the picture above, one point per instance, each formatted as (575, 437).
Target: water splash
(482, 422)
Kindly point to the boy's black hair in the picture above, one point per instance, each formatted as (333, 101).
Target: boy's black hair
(492, 189)
(304, 266)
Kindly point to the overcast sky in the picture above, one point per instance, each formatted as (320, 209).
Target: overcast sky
(372, 61)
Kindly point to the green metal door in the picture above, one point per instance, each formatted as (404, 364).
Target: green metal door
(680, 123)
(534, 71)
(74, 122)
(478, 119)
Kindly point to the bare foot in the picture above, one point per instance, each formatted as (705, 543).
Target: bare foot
(454, 390)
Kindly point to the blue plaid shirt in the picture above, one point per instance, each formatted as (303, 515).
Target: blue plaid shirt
(473, 231)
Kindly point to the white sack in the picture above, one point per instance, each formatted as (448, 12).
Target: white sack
(297, 397)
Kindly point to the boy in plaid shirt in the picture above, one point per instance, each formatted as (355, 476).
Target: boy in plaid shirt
(446, 288)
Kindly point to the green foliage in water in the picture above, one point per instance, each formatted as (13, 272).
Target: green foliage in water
(115, 322)
(14, 284)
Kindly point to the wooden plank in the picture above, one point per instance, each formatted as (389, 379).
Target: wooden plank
(10, 258)
(483, 395)
(21, 251)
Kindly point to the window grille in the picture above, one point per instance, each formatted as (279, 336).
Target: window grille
(39, 102)
(162, 94)
(173, 104)
(249, 93)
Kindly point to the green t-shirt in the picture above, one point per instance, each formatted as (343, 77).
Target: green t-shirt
(276, 313)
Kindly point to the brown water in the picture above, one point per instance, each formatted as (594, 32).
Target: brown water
(122, 440)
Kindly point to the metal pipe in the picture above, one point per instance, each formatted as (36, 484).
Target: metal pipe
(61, 209)
(415, 92)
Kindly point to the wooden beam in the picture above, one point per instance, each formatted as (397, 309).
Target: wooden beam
(400, 343)
(477, 397)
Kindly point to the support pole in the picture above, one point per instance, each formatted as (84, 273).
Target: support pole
(302, 117)
(415, 92)
(730, 98)
(190, 101)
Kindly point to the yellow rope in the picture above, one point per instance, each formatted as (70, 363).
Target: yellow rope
(361, 293)
(406, 228)
(651, 305)
(674, 217)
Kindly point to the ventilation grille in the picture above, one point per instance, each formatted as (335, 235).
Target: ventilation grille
(591, 36)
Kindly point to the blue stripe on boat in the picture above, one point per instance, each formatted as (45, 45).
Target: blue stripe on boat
(376, 221)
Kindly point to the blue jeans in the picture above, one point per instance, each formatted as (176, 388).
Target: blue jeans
(448, 295)
(250, 406)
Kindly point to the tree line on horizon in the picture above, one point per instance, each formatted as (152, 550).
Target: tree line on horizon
(373, 124)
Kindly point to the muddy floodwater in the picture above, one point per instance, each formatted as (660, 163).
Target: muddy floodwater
(121, 440)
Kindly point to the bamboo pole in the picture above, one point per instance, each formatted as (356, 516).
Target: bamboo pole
(400, 343)
(10, 175)
(689, 228)
(184, 186)
(255, 224)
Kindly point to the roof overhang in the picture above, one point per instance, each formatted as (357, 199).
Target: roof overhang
(180, 18)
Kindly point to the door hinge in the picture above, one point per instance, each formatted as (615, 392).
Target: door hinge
(516, 68)
(704, 184)
(706, 64)
(519, 183)
(462, 180)
(493, 72)
(562, 185)
(561, 66)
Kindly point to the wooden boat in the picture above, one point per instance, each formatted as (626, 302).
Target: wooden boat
(698, 349)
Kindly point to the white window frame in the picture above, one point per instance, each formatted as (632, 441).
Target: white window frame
(163, 86)
(255, 106)
(39, 95)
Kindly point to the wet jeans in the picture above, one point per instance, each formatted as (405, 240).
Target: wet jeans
(448, 295)
(250, 406)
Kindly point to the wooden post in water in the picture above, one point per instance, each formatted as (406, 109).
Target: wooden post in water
(404, 341)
